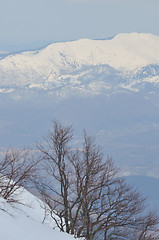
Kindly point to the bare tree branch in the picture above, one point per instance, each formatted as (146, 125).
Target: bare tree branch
(85, 195)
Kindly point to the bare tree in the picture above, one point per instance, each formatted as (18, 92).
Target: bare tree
(18, 169)
(85, 195)
(55, 190)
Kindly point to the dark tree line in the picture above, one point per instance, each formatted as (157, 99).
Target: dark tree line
(85, 195)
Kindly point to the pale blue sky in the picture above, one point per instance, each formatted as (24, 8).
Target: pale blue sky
(33, 23)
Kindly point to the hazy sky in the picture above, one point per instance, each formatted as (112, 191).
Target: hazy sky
(33, 22)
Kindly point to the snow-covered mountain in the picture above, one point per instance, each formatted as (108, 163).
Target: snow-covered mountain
(109, 87)
(127, 62)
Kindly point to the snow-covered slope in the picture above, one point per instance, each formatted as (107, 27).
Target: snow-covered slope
(21, 222)
(126, 62)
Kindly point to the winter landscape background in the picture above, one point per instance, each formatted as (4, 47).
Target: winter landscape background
(109, 87)
(90, 63)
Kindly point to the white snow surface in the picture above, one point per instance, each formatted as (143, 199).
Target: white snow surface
(23, 222)
(63, 64)
(123, 52)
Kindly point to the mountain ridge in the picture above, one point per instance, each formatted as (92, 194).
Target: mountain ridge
(84, 66)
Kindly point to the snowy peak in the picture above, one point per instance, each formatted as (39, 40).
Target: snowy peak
(85, 66)
(123, 52)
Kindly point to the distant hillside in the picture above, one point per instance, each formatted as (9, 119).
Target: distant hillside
(149, 187)
(127, 62)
